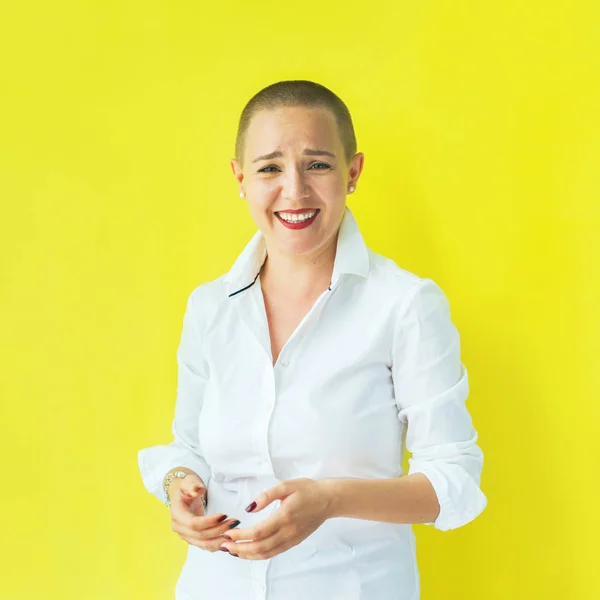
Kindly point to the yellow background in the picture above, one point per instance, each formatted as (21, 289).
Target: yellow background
(480, 127)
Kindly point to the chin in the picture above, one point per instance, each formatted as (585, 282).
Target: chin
(299, 249)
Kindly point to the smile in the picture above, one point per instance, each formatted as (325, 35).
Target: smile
(297, 221)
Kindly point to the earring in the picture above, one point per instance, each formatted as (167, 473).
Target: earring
(242, 194)
(351, 189)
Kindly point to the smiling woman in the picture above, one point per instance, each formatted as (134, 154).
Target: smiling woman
(301, 372)
(296, 162)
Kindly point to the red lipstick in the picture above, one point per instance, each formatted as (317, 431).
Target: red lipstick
(299, 224)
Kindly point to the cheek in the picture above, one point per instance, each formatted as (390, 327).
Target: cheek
(261, 209)
(263, 196)
(331, 187)
(265, 185)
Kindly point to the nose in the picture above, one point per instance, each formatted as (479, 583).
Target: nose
(294, 185)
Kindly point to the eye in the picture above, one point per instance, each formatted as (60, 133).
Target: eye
(264, 169)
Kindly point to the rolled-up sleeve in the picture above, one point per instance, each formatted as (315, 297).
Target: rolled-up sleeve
(185, 450)
(431, 387)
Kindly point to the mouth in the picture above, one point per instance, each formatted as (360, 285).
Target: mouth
(299, 220)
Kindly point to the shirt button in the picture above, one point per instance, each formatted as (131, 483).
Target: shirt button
(284, 363)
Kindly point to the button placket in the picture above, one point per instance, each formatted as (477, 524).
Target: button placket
(259, 572)
(264, 457)
(301, 327)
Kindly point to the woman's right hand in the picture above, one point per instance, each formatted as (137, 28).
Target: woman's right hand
(188, 518)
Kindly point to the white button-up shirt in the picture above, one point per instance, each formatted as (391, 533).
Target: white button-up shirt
(374, 365)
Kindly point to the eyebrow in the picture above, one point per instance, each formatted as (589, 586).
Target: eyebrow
(308, 151)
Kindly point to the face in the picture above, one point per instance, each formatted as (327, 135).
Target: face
(294, 161)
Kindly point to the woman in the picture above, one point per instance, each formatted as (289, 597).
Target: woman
(302, 373)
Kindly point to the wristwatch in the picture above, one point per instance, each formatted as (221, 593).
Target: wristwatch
(167, 480)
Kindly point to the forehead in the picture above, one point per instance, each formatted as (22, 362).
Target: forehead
(292, 125)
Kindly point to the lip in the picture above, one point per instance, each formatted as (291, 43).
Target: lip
(302, 225)
(296, 211)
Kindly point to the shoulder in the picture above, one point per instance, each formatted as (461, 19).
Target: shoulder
(205, 300)
(389, 276)
(399, 285)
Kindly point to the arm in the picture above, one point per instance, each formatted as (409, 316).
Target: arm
(431, 387)
(184, 451)
(409, 499)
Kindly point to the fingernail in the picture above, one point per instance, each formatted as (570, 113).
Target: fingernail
(221, 519)
(250, 507)
(224, 549)
(232, 554)
(226, 536)
(234, 524)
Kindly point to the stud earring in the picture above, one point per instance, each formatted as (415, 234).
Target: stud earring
(242, 194)
(351, 189)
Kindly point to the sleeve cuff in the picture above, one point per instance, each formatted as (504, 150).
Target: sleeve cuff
(460, 498)
(154, 466)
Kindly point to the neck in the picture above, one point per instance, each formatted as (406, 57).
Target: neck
(299, 276)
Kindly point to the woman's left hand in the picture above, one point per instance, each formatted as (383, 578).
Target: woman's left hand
(304, 507)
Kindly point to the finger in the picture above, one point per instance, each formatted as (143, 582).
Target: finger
(183, 507)
(261, 530)
(217, 530)
(260, 550)
(255, 546)
(207, 531)
(181, 513)
(205, 535)
(192, 486)
(193, 542)
(196, 523)
(278, 492)
(257, 532)
(211, 528)
(208, 545)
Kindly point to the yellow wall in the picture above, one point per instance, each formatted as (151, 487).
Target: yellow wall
(480, 126)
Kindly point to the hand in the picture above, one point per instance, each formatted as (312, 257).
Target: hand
(304, 508)
(188, 518)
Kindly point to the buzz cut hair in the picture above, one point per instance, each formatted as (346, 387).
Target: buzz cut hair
(297, 92)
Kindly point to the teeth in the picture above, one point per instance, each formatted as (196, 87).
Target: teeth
(297, 218)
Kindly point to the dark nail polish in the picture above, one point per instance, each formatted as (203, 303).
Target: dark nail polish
(221, 519)
(250, 507)
(232, 554)
(226, 536)
(234, 524)
(223, 549)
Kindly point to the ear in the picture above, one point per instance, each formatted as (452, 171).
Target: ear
(237, 170)
(356, 167)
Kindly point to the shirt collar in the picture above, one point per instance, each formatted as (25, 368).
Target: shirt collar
(351, 257)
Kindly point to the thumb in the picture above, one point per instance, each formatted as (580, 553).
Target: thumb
(192, 486)
(277, 492)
